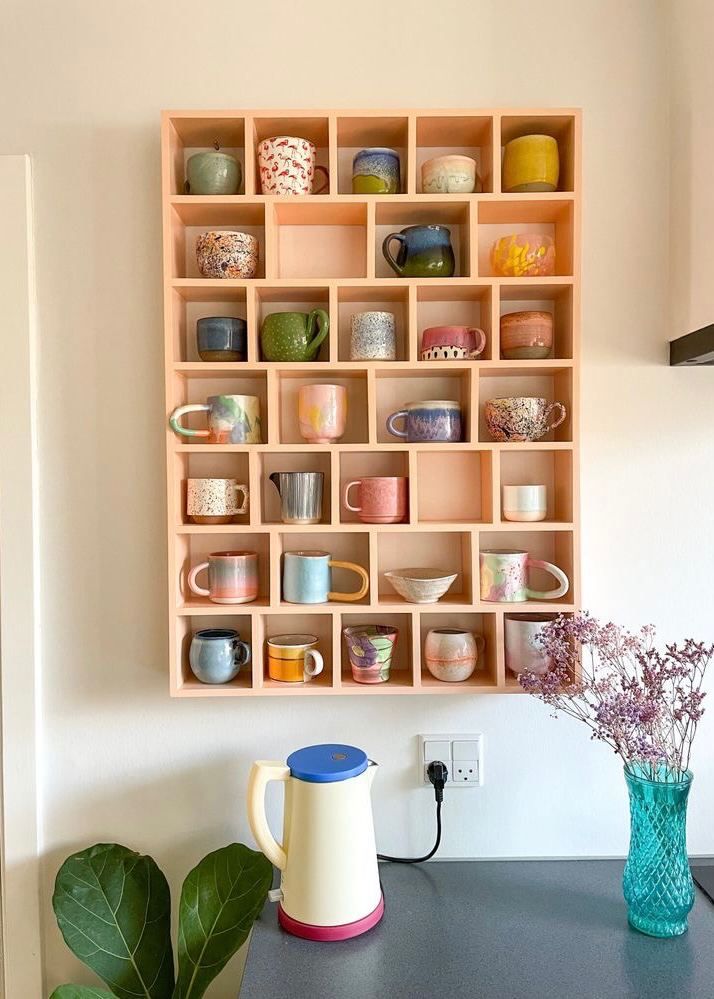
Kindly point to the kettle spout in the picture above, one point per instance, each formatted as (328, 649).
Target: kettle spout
(275, 479)
(372, 769)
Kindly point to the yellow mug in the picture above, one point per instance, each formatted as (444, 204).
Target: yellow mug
(293, 658)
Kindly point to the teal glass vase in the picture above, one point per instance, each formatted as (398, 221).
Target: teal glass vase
(657, 882)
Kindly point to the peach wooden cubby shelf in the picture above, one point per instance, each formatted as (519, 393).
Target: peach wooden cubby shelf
(324, 251)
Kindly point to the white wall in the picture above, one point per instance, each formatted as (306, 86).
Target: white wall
(84, 85)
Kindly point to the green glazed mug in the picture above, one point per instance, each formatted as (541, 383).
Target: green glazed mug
(293, 336)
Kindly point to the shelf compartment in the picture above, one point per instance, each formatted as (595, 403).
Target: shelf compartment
(401, 673)
(462, 135)
(186, 684)
(553, 546)
(356, 133)
(393, 216)
(344, 546)
(455, 305)
(196, 387)
(282, 461)
(270, 300)
(512, 683)
(550, 216)
(320, 240)
(395, 389)
(561, 127)
(319, 625)
(191, 549)
(554, 384)
(190, 219)
(193, 465)
(315, 128)
(447, 550)
(552, 298)
(185, 313)
(486, 672)
(189, 135)
(553, 469)
(378, 299)
(290, 383)
(361, 464)
(454, 487)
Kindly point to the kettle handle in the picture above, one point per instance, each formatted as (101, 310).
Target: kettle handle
(261, 772)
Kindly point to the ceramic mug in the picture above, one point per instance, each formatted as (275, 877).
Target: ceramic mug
(524, 503)
(322, 412)
(526, 335)
(225, 254)
(232, 419)
(452, 343)
(523, 649)
(373, 336)
(215, 501)
(424, 251)
(217, 655)
(382, 499)
(376, 171)
(222, 338)
(504, 577)
(451, 655)
(293, 336)
(307, 578)
(232, 577)
(370, 648)
(531, 163)
(300, 496)
(294, 658)
(432, 420)
(213, 172)
(451, 174)
(523, 254)
(287, 166)
(522, 418)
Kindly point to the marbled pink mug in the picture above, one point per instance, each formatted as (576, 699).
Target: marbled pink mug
(382, 499)
(504, 577)
(232, 577)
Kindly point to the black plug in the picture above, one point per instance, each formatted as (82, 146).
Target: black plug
(438, 775)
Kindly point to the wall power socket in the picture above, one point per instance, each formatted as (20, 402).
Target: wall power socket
(462, 755)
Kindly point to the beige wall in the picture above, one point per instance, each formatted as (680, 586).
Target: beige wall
(84, 86)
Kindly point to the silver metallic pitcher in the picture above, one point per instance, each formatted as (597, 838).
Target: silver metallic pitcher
(300, 496)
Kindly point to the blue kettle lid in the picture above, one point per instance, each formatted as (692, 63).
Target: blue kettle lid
(327, 763)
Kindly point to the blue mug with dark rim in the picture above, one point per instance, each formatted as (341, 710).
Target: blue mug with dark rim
(217, 655)
(222, 338)
(424, 251)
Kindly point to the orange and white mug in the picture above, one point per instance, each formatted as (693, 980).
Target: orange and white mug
(294, 658)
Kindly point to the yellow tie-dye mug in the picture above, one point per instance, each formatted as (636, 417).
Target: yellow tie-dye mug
(322, 412)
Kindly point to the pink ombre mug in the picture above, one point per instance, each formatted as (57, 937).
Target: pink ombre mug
(322, 412)
(382, 499)
(504, 577)
(232, 577)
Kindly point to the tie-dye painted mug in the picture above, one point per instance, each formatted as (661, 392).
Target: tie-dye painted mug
(232, 419)
(232, 577)
(504, 577)
(322, 413)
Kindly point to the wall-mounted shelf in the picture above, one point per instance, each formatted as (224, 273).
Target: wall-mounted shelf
(324, 251)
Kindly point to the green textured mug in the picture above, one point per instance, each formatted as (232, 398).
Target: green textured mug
(293, 336)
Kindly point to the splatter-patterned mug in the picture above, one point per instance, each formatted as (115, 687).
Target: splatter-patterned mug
(504, 576)
(232, 419)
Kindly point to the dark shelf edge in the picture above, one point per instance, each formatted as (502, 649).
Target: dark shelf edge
(693, 348)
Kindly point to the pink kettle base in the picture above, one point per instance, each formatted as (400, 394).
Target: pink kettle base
(328, 934)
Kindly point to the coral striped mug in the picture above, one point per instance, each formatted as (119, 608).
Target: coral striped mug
(232, 577)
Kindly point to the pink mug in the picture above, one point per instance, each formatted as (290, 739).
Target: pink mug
(504, 577)
(452, 343)
(322, 413)
(382, 499)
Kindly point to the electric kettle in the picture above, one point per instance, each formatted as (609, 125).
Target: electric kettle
(328, 858)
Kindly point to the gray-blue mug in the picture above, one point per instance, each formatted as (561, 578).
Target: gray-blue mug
(217, 655)
(222, 338)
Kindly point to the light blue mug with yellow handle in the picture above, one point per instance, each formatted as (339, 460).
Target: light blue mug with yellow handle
(307, 578)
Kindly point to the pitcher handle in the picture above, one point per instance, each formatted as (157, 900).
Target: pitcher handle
(319, 322)
(362, 573)
(402, 414)
(559, 591)
(481, 340)
(199, 407)
(193, 585)
(387, 252)
(346, 496)
(261, 773)
(549, 410)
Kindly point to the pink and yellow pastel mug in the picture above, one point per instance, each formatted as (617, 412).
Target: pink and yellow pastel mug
(232, 577)
(504, 577)
(322, 412)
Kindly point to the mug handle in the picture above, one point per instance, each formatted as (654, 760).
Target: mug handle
(327, 179)
(241, 652)
(346, 496)
(549, 410)
(481, 338)
(402, 414)
(480, 643)
(387, 253)
(200, 407)
(316, 333)
(313, 664)
(193, 585)
(362, 573)
(563, 580)
(244, 490)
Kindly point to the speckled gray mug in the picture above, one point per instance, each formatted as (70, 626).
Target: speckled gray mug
(373, 337)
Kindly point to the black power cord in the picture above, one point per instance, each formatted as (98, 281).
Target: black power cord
(437, 774)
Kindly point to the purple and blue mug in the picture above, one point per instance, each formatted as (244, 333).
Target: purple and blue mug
(433, 420)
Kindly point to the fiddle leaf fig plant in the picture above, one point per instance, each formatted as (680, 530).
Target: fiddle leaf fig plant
(113, 908)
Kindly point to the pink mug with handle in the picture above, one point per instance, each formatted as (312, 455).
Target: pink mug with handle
(452, 343)
(504, 577)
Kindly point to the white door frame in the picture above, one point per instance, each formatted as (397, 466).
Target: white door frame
(21, 974)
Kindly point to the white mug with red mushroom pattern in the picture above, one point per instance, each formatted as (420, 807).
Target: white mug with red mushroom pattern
(287, 166)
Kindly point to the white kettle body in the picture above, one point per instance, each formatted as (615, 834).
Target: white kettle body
(328, 856)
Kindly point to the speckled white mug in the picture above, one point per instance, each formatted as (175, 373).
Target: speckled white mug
(373, 337)
(214, 501)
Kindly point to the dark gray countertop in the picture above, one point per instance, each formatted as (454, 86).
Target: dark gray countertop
(491, 930)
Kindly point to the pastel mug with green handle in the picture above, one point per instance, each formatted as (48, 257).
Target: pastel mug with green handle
(504, 576)
(293, 336)
(232, 419)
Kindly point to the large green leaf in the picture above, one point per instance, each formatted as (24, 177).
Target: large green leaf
(114, 910)
(81, 992)
(220, 900)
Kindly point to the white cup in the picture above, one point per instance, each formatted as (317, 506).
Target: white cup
(525, 503)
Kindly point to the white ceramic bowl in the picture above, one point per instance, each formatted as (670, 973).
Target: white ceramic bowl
(421, 586)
